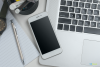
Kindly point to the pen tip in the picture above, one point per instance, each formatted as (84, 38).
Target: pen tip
(23, 62)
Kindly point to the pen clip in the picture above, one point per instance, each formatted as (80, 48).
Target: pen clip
(13, 23)
(14, 27)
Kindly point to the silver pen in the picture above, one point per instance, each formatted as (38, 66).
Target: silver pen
(16, 37)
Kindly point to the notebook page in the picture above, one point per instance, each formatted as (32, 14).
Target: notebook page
(9, 54)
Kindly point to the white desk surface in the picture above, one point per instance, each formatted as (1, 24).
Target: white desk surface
(22, 20)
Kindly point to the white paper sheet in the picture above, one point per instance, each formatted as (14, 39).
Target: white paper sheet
(9, 54)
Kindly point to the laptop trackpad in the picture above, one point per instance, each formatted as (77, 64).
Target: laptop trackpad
(91, 53)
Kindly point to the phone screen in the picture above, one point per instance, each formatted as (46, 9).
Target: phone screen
(45, 35)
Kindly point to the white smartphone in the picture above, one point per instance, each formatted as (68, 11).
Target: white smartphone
(45, 36)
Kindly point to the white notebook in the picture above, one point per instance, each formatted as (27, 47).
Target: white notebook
(9, 54)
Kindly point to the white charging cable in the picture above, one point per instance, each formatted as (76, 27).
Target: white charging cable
(15, 5)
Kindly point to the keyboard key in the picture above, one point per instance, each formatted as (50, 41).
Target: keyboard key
(87, 5)
(98, 25)
(63, 20)
(96, 12)
(91, 18)
(84, 17)
(74, 22)
(94, 6)
(87, 23)
(72, 28)
(91, 30)
(62, 14)
(83, 11)
(80, 22)
(81, 4)
(72, 15)
(77, 10)
(71, 9)
(97, 18)
(63, 8)
(83, 0)
(89, 1)
(99, 7)
(66, 27)
(78, 16)
(90, 11)
(75, 4)
(69, 3)
(95, 1)
(79, 29)
(60, 26)
(63, 2)
(93, 24)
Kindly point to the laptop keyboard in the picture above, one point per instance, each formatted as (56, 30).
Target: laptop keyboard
(79, 16)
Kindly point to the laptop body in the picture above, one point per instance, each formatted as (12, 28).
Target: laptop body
(72, 40)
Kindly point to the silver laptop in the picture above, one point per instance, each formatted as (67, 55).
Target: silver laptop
(75, 22)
